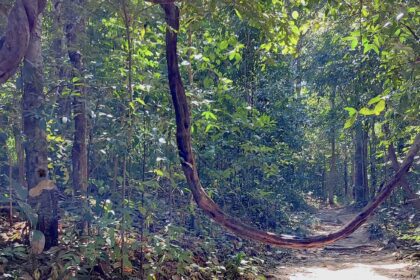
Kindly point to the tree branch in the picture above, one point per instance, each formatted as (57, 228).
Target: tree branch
(411, 31)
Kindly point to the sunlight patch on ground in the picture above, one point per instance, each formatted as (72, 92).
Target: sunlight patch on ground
(357, 271)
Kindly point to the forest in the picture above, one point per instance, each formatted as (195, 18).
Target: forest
(205, 139)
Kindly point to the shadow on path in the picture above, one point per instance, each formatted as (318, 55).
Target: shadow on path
(354, 258)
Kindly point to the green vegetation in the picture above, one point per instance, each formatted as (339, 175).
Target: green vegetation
(295, 106)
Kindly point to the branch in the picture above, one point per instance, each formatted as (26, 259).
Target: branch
(411, 31)
(162, 2)
(413, 198)
(15, 42)
(209, 207)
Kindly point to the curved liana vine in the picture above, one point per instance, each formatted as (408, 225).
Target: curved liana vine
(209, 207)
(14, 43)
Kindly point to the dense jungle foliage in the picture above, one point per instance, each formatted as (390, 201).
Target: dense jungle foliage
(295, 105)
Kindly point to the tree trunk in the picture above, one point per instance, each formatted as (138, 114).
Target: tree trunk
(74, 27)
(189, 167)
(372, 154)
(346, 176)
(17, 133)
(20, 156)
(115, 174)
(298, 70)
(332, 175)
(360, 160)
(64, 102)
(36, 146)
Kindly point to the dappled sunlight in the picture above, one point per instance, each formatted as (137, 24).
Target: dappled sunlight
(356, 271)
(354, 257)
(191, 140)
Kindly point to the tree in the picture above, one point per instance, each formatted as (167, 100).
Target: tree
(74, 30)
(42, 193)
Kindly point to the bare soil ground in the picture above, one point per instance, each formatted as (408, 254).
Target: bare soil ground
(355, 257)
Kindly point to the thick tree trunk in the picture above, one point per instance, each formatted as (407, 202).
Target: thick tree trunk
(74, 27)
(209, 207)
(79, 150)
(360, 161)
(36, 146)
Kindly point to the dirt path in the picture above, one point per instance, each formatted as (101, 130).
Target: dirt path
(353, 258)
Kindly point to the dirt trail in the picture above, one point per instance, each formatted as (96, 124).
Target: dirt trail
(355, 257)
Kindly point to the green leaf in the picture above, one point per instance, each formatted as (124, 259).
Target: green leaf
(368, 47)
(232, 55)
(266, 46)
(238, 14)
(208, 82)
(295, 15)
(209, 115)
(350, 121)
(208, 127)
(223, 45)
(295, 30)
(133, 107)
(380, 106)
(351, 111)
(366, 111)
(365, 12)
(375, 100)
(140, 101)
(354, 44)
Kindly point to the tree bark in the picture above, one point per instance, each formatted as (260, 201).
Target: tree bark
(20, 156)
(332, 175)
(17, 133)
(360, 161)
(13, 46)
(74, 27)
(209, 207)
(64, 102)
(36, 146)
(346, 176)
(372, 156)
